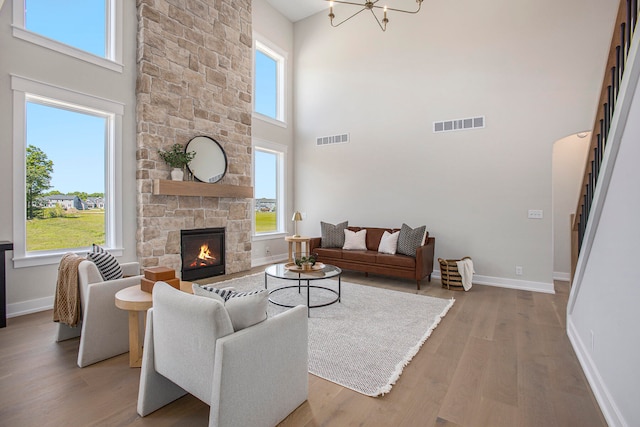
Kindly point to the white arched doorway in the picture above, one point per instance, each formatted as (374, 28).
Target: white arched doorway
(568, 162)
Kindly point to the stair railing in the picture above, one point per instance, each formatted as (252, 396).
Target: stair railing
(623, 33)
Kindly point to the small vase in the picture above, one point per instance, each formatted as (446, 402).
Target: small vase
(177, 174)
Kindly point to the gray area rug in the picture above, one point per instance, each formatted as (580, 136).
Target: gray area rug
(363, 342)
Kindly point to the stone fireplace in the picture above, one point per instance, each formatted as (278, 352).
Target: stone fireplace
(194, 78)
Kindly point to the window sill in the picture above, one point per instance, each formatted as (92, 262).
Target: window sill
(269, 120)
(34, 259)
(268, 236)
(71, 51)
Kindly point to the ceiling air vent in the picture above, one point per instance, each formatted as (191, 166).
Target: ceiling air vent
(459, 124)
(334, 139)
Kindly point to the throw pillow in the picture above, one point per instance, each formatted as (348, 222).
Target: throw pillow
(355, 240)
(107, 264)
(244, 308)
(333, 235)
(410, 239)
(389, 243)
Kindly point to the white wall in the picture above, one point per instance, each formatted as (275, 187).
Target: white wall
(534, 69)
(270, 24)
(603, 313)
(32, 288)
(569, 158)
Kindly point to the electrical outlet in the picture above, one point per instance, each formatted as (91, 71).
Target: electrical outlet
(518, 270)
(593, 344)
(535, 214)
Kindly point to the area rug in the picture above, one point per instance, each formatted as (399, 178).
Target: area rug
(365, 341)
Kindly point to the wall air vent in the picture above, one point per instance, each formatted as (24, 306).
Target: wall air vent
(458, 124)
(334, 139)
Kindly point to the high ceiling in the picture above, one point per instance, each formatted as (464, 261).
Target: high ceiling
(296, 10)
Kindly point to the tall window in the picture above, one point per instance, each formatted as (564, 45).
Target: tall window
(65, 168)
(66, 192)
(85, 29)
(269, 81)
(269, 171)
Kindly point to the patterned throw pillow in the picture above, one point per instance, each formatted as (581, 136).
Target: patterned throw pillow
(244, 308)
(107, 264)
(333, 235)
(410, 239)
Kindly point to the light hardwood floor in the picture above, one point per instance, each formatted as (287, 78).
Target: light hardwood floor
(500, 357)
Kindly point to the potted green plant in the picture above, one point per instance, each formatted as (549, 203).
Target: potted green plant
(306, 262)
(177, 158)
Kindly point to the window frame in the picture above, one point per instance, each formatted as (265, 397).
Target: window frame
(281, 57)
(114, 37)
(281, 179)
(27, 90)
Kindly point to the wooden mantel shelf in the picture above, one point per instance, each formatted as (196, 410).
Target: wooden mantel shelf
(204, 189)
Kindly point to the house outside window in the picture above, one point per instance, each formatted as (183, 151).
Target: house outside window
(67, 193)
(269, 178)
(97, 28)
(269, 82)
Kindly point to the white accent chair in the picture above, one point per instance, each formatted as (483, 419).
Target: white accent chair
(253, 377)
(104, 328)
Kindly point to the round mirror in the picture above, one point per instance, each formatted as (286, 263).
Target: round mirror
(210, 161)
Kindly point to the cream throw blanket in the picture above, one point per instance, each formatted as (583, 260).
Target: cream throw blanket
(465, 268)
(66, 304)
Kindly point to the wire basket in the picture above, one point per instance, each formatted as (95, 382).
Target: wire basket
(449, 274)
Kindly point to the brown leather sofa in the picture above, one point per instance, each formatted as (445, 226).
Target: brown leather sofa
(371, 261)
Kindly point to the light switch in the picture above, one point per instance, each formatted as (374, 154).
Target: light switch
(535, 214)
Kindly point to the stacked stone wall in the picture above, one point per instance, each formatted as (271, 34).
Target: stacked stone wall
(194, 78)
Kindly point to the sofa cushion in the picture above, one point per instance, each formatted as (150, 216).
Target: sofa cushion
(355, 240)
(389, 243)
(361, 256)
(410, 239)
(333, 235)
(324, 253)
(396, 260)
(245, 308)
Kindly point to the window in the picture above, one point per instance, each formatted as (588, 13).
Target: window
(269, 63)
(84, 29)
(268, 178)
(66, 193)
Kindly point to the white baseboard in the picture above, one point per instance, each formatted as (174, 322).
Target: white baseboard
(269, 260)
(501, 282)
(607, 405)
(562, 277)
(28, 307)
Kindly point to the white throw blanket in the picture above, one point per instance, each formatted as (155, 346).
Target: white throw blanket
(465, 268)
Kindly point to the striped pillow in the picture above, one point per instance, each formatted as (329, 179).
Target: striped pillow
(107, 264)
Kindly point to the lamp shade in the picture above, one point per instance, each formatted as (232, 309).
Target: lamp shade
(297, 216)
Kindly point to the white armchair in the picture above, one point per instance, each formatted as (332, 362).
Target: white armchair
(254, 377)
(104, 329)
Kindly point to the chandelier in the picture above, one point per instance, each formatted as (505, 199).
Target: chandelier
(370, 6)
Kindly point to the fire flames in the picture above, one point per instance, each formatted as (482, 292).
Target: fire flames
(204, 258)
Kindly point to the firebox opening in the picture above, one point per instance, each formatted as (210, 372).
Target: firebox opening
(202, 253)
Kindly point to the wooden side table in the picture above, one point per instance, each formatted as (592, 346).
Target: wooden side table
(137, 302)
(298, 241)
